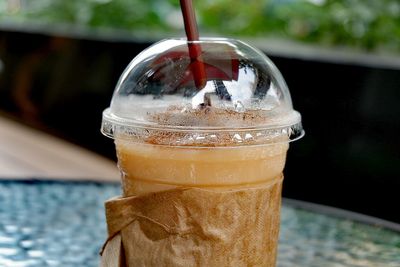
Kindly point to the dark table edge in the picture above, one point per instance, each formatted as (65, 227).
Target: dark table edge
(343, 214)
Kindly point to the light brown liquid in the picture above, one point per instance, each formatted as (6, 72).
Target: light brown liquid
(150, 168)
(221, 178)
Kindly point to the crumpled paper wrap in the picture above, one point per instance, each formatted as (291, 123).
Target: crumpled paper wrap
(194, 227)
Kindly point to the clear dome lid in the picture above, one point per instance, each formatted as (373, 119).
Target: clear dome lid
(241, 96)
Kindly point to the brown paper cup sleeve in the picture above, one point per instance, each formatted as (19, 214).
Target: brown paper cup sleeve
(194, 227)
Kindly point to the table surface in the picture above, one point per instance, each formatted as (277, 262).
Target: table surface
(49, 223)
(26, 152)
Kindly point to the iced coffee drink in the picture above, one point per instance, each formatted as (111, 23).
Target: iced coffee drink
(201, 169)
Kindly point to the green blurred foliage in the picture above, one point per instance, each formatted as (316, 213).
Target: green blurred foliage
(364, 24)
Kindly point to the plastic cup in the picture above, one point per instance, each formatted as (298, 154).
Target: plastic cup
(222, 145)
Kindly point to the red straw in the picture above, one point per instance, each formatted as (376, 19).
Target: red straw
(189, 19)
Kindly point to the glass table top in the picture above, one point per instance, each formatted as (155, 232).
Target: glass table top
(63, 224)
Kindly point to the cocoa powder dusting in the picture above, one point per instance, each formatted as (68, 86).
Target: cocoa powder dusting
(208, 117)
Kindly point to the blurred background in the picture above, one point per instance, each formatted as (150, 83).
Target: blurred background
(60, 61)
